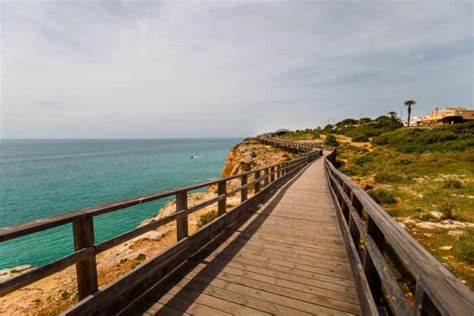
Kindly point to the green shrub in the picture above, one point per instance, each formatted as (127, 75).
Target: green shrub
(456, 137)
(452, 184)
(65, 295)
(361, 138)
(348, 172)
(206, 218)
(331, 141)
(359, 161)
(122, 261)
(383, 196)
(389, 177)
(447, 208)
(427, 217)
(141, 257)
(404, 162)
(465, 249)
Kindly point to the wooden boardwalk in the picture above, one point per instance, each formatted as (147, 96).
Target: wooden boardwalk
(288, 258)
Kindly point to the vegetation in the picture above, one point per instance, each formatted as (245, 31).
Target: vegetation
(307, 134)
(65, 295)
(206, 218)
(453, 138)
(363, 129)
(141, 257)
(331, 141)
(382, 196)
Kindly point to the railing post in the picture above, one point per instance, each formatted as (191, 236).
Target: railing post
(267, 177)
(376, 234)
(423, 304)
(257, 181)
(272, 176)
(356, 204)
(373, 278)
(419, 296)
(279, 170)
(86, 270)
(371, 273)
(182, 220)
(354, 232)
(221, 205)
(243, 191)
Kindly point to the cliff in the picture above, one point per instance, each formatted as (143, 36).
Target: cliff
(54, 294)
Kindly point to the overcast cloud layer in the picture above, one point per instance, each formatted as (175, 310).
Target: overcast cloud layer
(161, 69)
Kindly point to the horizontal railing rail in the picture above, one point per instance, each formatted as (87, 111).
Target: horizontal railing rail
(287, 144)
(86, 250)
(375, 236)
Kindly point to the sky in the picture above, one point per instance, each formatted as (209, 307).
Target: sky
(152, 69)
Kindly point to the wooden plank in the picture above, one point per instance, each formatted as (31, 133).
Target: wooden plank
(219, 288)
(148, 270)
(182, 219)
(331, 266)
(290, 242)
(330, 291)
(291, 252)
(44, 271)
(266, 175)
(243, 192)
(277, 264)
(135, 232)
(223, 304)
(86, 270)
(222, 204)
(184, 305)
(394, 292)
(155, 310)
(283, 273)
(301, 300)
(257, 181)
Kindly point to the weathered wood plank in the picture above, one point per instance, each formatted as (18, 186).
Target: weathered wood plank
(86, 270)
(182, 219)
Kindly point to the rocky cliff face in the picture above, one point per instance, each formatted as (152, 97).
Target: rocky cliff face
(250, 155)
(54, 294)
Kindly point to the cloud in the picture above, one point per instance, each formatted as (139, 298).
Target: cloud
(208, 68)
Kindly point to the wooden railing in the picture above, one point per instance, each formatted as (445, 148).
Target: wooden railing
(287, 144)
(380, 247)
(263, 181)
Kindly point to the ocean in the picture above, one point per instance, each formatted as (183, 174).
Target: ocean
(40, 178)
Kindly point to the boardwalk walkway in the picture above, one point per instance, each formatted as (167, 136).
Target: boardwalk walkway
(287, 259)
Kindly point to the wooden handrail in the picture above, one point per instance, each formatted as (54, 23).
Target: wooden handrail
(437, 292)
(86, 250)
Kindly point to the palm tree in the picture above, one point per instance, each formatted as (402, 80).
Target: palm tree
(393, 116)
(409, 104)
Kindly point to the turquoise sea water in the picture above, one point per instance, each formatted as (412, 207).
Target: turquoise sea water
(40, 178)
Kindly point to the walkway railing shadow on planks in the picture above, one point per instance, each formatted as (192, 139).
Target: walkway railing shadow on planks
(263, 181)
(379, 249)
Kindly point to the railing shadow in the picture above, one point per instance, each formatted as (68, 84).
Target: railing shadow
(210, 271)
